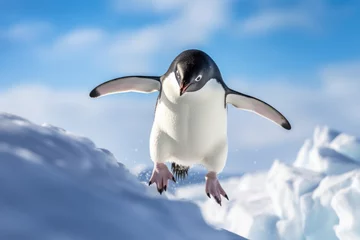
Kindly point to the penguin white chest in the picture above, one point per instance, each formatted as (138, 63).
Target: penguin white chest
(187, 128)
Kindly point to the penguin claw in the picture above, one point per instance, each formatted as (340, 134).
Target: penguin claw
(161, 175)
(218, 200)
(213, 187)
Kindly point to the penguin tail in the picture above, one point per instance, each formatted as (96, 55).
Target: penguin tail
(180, 172)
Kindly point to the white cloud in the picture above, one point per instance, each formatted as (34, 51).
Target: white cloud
(193, 24)
(145, 5)
(271, 20)
(342, 78)
(26, 31)
(80, 38)
(122, 122)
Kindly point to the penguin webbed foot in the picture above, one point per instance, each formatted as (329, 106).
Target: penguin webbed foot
(213, 188)
(160, 176)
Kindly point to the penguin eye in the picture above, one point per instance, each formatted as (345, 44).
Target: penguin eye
(198, 78)
(178, 74)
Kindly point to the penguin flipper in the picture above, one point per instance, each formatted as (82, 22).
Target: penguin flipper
(255, 105)
(142, 84)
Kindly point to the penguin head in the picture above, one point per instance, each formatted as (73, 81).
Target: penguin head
(193, 69)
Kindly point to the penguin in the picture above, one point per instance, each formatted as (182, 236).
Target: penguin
(190, 122)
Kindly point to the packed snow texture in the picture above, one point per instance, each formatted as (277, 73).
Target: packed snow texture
(318, 197)
(58, 186)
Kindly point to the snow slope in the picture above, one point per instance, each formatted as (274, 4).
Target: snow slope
(58, 186)
(318, 197)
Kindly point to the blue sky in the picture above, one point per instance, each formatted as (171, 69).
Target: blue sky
(303, 57)
(304, 36)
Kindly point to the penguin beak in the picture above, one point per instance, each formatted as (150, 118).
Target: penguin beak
(183, 88)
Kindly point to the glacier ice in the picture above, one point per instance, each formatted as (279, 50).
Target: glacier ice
(56, 185)
(317, 197)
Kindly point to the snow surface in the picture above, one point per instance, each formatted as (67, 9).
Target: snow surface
(318, 197)
(58, 186)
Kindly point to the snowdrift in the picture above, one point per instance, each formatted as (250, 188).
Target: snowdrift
(318, 197)
(55, 185)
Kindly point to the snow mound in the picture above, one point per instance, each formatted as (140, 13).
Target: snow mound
(318, 197)
(55, 185)
(329, 152)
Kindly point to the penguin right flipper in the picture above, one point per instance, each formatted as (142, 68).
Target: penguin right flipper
(253, 104)
(142, 84)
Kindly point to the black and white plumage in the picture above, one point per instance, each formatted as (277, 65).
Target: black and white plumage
(190, 123)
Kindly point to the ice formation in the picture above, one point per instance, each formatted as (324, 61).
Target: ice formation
(317, 197)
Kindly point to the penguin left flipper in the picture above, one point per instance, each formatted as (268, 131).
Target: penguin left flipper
(142, 84)
(253, 104)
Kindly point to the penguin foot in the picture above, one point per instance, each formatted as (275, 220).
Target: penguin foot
(160, 176)
(214, 188)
